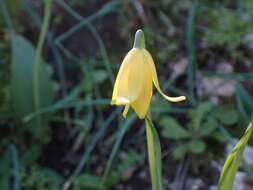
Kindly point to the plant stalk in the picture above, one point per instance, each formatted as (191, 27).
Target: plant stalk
(38, 55)
(154, 154)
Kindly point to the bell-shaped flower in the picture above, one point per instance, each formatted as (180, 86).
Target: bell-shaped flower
(134, 83)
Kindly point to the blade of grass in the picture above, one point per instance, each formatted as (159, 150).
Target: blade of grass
(89, 70)
(61, 105)
(121, 133)
(169, 110)
(233, 76)
(68, 103)
(106, 9)
(95, 34)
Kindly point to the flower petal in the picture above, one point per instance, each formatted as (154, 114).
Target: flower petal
(129, 80)
(149, 59)
(141, 105)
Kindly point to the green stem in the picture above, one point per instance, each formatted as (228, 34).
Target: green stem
(154, 154)
(6, 16)
(16, 167)
(190, 34)
(37, 61)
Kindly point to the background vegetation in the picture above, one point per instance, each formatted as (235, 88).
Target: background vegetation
(74, 139)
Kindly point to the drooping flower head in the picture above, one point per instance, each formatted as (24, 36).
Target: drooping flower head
(134, 83)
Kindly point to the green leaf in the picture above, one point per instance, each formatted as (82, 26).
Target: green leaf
(198, 114)
(180, 151)
(111, 180)
(32, 154)
(226, 116)
(197, 146)
(87, 181)
(172, 130)
(219, 136)
(35, 177)
(154, 155)
(22, 93)
(100, 76)
(208, 127)
(229, 117)
(21, 76)
(233, 161)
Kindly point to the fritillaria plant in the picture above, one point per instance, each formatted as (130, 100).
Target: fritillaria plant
(133, 89)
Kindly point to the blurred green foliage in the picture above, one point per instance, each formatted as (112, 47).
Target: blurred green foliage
(127, 162)
(203, 124)
(229, 27)
(38, 178)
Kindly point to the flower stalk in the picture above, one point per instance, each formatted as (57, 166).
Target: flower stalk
(38, 55)
(154, 154)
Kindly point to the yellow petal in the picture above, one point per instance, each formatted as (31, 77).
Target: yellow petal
(129, 80)
(149, 59)
(141, 105)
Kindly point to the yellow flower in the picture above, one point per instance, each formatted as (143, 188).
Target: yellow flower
(134, 83)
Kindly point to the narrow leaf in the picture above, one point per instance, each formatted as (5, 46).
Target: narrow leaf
(233, 161)
(15, 167)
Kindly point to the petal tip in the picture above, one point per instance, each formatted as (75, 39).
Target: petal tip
(175, 99)
(182, 98)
